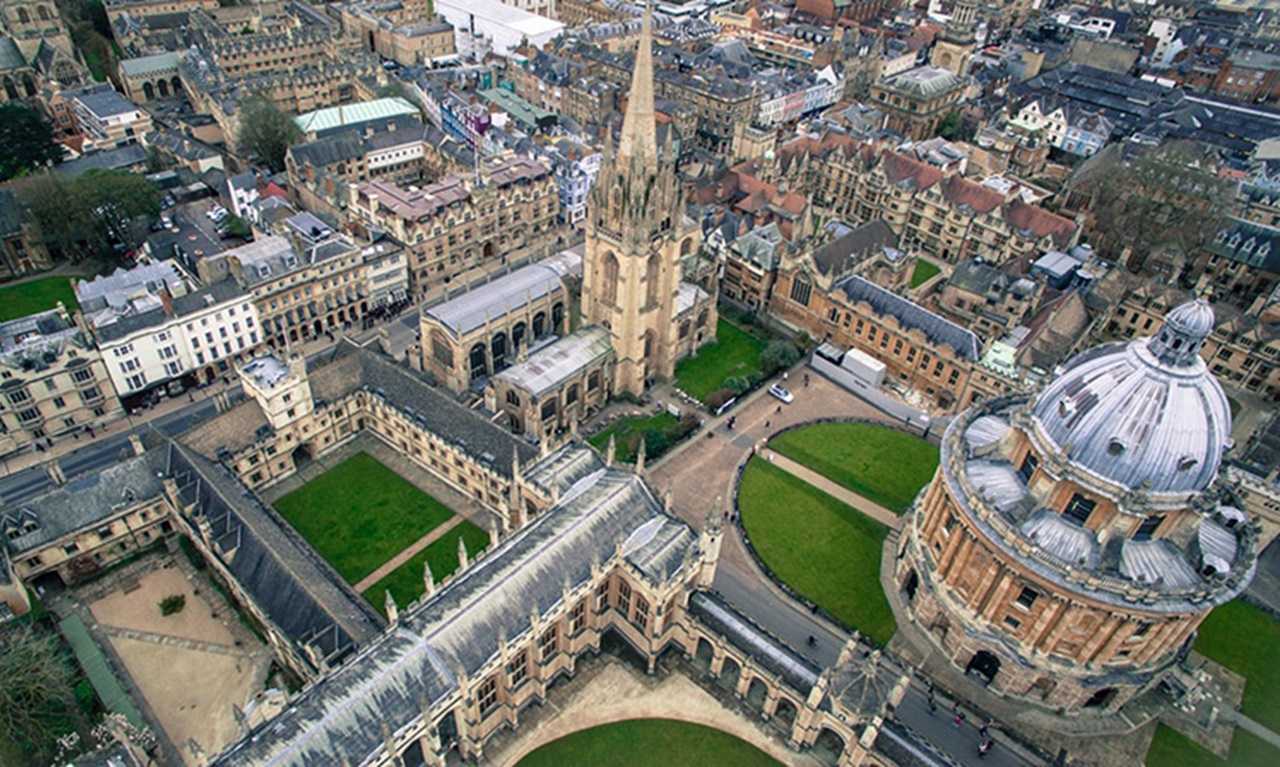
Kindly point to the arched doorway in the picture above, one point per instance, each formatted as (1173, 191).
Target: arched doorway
(757, 693)
(911, 584)
(301, 455)
(1102, 698)
(478, 366)
(557, 318)
(829, 746)
(730, 672)
(517, 336)
(176, 85)
(148, 91)
(162, 85)
(985, 665)
(703, 655)
(539, 324)
(784, 714)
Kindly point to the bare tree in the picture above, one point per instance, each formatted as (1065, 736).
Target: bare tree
(35, 687)
(1166, 199)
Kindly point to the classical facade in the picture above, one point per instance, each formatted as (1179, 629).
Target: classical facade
(1072, 541)
(915, 102)
(557, 387)
(53, 381)
(637, 235)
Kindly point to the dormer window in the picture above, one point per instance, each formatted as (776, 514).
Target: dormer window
(1116, 447)
(1187, 463)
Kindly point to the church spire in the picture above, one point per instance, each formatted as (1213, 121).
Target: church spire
(639, 140)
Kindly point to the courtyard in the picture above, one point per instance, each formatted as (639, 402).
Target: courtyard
(192, 666)
(615, 745)
(826, 551)
(659, 432)
(377, 528)
(883, 465)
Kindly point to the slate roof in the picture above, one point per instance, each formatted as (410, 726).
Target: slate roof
(149, 65)
(912, 316)
(867, 241)
(767, 650)
(126, 156)
(10, 214)
(88, 499)
(10, 56)
(1250, 243)
(458, 629)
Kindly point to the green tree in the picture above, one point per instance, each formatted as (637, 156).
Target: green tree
(89, 215)
(267, 131)
(35, 688)
(778, 355)
(26, 141)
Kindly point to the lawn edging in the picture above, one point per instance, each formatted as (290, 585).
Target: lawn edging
(813, 607)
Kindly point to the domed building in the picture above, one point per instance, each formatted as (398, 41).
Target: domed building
(1072, 541)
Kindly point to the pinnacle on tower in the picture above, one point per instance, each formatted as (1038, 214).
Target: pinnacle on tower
(639, 141)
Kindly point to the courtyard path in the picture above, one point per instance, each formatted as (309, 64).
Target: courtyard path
(404, 556)
(839, 492)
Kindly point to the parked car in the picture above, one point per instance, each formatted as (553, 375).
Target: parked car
(781, 393)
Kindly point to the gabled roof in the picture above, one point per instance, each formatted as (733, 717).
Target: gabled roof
(865, 242)
(912, 316)
(968, 195)
(1025, 217)
(908, 172)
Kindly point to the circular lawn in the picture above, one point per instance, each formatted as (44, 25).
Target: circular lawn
(886, 466)
(643, 742)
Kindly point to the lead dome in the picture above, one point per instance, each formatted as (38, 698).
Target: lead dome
(1146, 414)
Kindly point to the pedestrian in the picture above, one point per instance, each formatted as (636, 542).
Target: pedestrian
(766, 424)
(784, 375)
(986, 726)
(779, 410)
(933, 705)
(984, 748)
(806, 380)
(959, 720)
(813, 641)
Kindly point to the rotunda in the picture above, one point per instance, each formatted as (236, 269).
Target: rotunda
(1072, 540)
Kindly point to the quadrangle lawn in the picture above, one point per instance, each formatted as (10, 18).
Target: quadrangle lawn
(1247, 641)
(36, 296)
(884, 465)
(823, 549)
(359, 514)
(637, 742)
(1171, 748)
(924, 271)
(405, 581)
(736, 352)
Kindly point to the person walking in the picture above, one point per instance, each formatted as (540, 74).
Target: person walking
(933, 705)
(959, 720)
(986, 726)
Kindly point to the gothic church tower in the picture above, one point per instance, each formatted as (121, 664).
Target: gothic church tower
(636, 236)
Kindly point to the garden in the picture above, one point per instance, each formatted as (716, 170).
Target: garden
(742, 357)
(923, 272)
(637, 742)
(659, 432)
(824, 550)
(886, 466)
(359, 514)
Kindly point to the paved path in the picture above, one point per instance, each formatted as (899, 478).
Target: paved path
(839, 492)
(172, 641)
(404, 556)
(1261, 730)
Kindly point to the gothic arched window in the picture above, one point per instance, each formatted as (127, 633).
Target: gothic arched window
(653, 273)
(609, 278)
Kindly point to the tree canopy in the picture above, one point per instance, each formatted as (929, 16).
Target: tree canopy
(91, 214)
(26, 141)
(35, 687)
(1167, 198)
(267, 131)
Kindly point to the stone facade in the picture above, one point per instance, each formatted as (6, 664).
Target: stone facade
(1067, 586)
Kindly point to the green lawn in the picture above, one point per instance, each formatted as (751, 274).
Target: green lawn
(359, 514)
(1235, 407)
(884, 465)
(823, 549)
(36, 296)
(924, 271)
(643, 742)
(405, 581)
(627, 431)
(1171, 748)
(1247, 641)
(735, 352)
